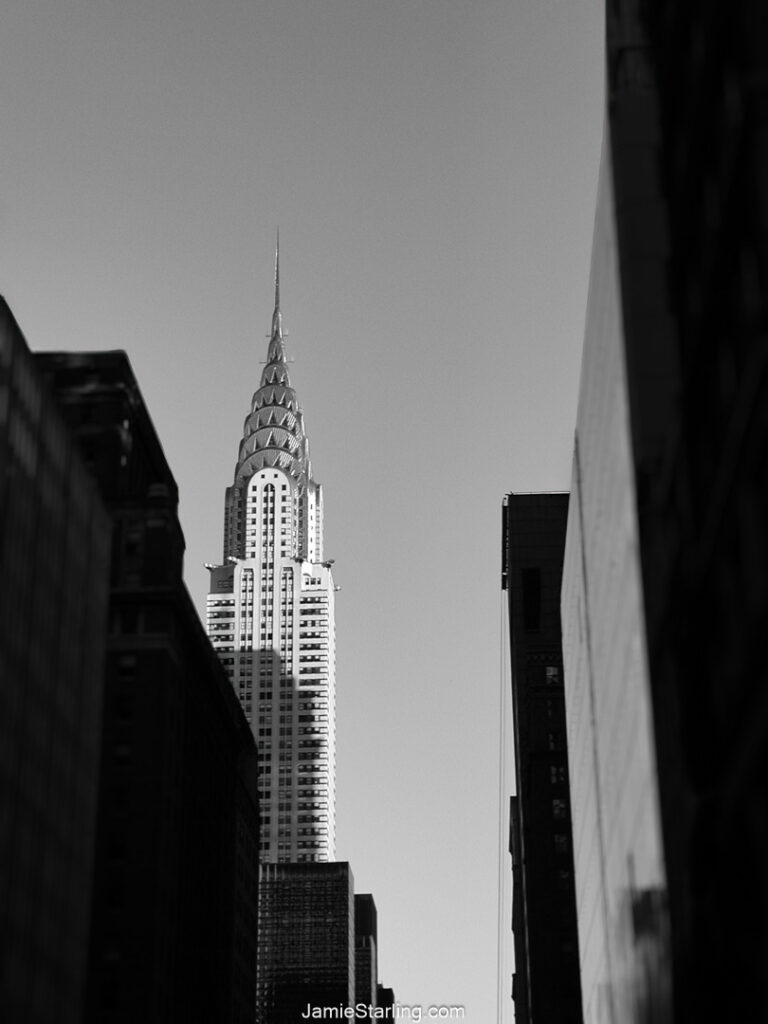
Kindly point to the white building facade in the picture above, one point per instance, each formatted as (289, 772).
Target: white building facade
(270, 617)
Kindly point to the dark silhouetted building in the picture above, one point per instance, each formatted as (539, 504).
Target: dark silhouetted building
(174, 918)
(665, 593)
(385, 1000)
(366, 962)
(306, 939)
(546, 983)
(54, 558)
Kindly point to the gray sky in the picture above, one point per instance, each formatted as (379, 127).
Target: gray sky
(432, 166)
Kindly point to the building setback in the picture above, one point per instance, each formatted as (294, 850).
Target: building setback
(175, 884)
(546, 982)
(665, 594)
(54, 558)
(270, 617)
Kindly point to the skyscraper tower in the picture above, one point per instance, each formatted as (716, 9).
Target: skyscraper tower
(270, 616)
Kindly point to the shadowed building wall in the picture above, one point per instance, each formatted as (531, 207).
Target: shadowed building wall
(546, 982)
(616, 819)
(174, 914)
(54, 558)
(700, 447)
(666, 595)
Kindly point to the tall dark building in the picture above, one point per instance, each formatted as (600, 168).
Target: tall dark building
(54, 559)
(306, 939)
(546, 982)
(175, 886)
(665, 594)
(701, 462)
(366, 960)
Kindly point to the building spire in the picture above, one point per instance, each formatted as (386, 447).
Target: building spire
(277, 316)
(277, 271)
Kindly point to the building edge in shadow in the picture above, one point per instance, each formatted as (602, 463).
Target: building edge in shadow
(173, 925)
(664, 593)
(540, 840)
(54, 555)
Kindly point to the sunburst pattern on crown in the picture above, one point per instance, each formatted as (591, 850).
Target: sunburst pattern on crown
(273, 432)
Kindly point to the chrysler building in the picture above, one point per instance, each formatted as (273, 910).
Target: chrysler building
(270, 616)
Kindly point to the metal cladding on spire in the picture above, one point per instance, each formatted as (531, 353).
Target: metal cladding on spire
(277, 316)
(273, 433)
